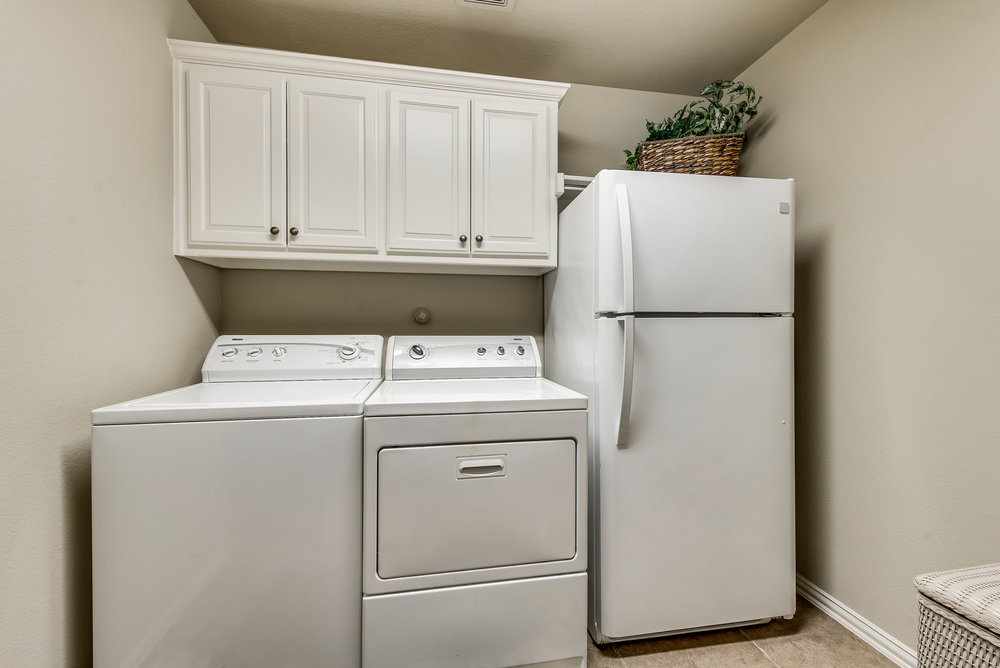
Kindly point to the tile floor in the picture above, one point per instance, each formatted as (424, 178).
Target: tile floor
(811, 639)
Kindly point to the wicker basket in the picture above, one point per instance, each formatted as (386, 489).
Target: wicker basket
(959, 618)
(707, 154)
(946, 640)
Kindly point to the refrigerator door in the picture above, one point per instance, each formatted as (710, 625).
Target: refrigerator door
(699, 244)
(695, 508)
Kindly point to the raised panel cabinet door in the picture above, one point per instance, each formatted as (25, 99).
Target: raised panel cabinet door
(513, 202)
(332, 165)
(428, 173)
(236, 158)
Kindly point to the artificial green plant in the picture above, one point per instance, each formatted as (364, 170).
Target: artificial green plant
(710, 116)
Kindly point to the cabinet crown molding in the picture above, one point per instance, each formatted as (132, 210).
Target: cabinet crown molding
(226, 55)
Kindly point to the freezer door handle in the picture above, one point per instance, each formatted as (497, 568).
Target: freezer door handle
(628, 367)
(625, 221)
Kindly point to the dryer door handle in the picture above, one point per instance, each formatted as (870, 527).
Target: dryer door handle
(480, 468)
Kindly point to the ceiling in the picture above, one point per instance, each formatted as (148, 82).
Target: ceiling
(669, 46)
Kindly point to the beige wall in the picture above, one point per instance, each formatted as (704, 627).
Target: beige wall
(628, 43)
(595, 124)
(885, 113)
(94, 308)
(321, 302)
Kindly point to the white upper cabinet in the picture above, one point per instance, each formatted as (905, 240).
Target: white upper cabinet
(237, 146)
(512, 189)
(332, 165)
(293, 161)
(428, 173)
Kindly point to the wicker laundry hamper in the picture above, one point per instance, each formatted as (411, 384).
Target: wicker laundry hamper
(706, 154)
(959, 618)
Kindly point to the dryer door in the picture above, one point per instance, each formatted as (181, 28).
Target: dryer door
(451, 508)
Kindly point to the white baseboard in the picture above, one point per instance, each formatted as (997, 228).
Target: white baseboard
(896, 651)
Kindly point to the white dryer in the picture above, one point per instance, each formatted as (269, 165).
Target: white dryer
(475, 513)
(227, 514)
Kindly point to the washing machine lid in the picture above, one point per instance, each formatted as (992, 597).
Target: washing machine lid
(244, 401)
(471, 395)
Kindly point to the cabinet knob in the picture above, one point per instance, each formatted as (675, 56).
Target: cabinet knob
(293, 231)
(463, 238)
(479, 238)
(274, 230)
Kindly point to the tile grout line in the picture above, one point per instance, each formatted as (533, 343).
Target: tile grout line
(754, 643)
(619, 655)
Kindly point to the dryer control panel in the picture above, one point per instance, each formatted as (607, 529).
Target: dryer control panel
(412, 357)
(333, 357)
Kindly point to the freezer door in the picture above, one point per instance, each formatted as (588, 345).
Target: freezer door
(695, 509)
(699, 244)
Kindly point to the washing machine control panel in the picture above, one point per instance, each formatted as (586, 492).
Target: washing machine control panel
(249, 358)
(412, 357)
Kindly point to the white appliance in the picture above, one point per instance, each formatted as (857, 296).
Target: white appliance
(672, 311)
(475, 509)
(227, 514)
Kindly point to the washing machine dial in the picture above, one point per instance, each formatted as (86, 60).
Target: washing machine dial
(481, 351)
(255, 352)
(417, 351)
(230, 352)
(520, 350)
(349, 351)
(501, 351)
(279, 351)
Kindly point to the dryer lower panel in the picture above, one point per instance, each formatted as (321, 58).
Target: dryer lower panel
(538, 622)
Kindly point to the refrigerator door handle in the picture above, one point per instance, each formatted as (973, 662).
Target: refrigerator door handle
(625, 221)
(628, 367)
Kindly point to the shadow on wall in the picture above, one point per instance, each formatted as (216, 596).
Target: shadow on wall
(571, 145)
(206, 281)
(812, 450)
(482, 45)
(79, 585)
(811, 380)
(756, 131)
(321, 302)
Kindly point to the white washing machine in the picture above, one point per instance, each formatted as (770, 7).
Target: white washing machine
(227, 515)
(475, 513)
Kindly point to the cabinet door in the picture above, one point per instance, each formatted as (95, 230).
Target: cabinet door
(236, 156)
(428, 172)
(332, 165)
(513, 202)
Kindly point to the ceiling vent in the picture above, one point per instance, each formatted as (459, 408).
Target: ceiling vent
(502, 5)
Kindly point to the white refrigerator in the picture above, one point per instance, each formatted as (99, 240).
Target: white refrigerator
(671, 310)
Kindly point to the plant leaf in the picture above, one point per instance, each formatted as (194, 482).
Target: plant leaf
(707, 116)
